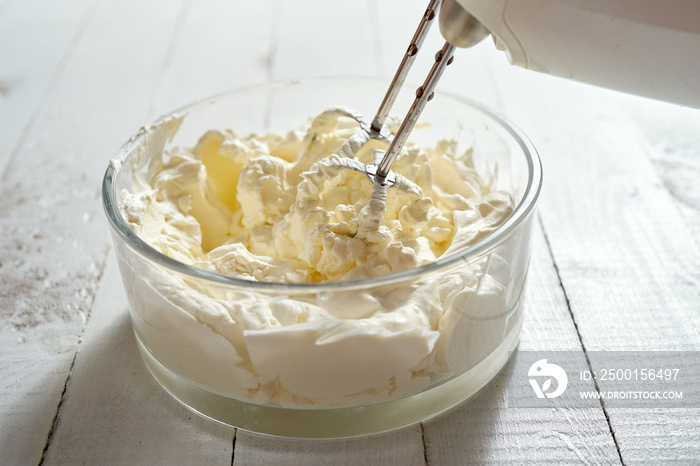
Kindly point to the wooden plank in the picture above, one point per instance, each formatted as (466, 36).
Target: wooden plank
(318, 38)
(167, 429)
(123, 396)
(30, 58)
(32, 372)
(219, 51)
(53, 247)
(486, 430)
(467, 76)
(657, 436)
(672, 135)
(623, 250)
(402, 447)
(606, 210)
(114, 412)
(52, 231)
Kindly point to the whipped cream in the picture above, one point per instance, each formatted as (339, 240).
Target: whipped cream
(292, 209)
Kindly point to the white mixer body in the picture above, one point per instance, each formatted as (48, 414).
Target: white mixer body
(645, 47)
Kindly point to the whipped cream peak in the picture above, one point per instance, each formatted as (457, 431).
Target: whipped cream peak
(299, 208)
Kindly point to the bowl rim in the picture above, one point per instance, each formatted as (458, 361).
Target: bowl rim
(520, 213)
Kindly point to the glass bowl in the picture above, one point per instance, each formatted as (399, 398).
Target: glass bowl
(362, 382)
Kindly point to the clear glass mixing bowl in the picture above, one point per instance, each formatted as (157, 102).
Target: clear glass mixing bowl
(368, 386)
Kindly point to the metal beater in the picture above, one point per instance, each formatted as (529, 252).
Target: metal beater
(460, 29)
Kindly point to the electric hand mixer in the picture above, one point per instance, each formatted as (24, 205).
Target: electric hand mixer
(638, 46)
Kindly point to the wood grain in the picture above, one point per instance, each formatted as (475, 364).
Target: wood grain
(627, 260)
(615, 261)
(114, 412)
(52, 232)
(30, 59)
(316, 38)
(672, 136)
(485, 430)
(625, 255)
(217, 52)
(403, 446)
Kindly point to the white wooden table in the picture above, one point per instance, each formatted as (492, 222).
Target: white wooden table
(616, 263)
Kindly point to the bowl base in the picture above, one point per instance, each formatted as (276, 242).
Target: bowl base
(336, 422)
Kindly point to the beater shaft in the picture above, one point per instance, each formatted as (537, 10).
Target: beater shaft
(423, 94)
(408, 59)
